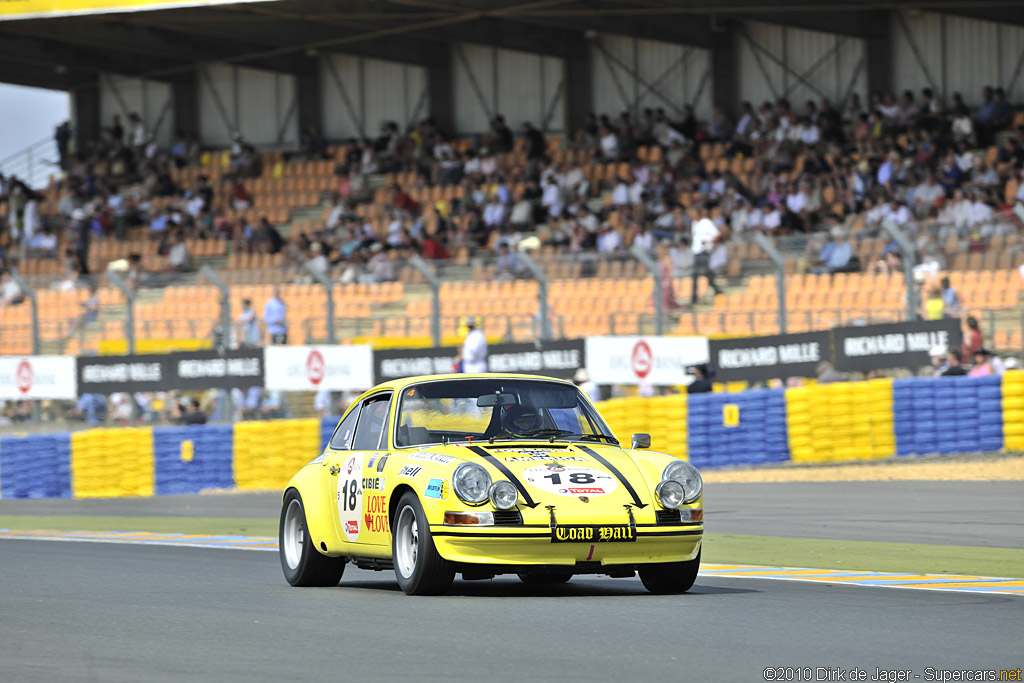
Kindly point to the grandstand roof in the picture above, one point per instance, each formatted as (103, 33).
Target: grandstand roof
(63, 52)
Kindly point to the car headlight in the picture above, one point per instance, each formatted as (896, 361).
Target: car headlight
(688, 476)
(504, 495)
(471, 483)
(671, 494)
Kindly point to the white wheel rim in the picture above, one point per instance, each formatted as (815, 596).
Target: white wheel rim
(407, 542)
(294, 534)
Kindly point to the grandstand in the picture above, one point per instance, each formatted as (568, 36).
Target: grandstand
(810, 124)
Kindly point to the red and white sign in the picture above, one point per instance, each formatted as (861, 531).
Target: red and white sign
(312, 368)
(350, 496)
(32, 377)
(660, 361)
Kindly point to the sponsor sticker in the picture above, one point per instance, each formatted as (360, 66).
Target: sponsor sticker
(380, 464)
(350, 495)
(438, 488)
(593, 533)
(376, 516)
(570, 480)
(544, 455)
(373, 483)
(409, 471)
(434, 457)
(318, 459)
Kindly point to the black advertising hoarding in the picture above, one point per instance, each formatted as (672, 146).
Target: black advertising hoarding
(893, 345)
(780, 356)
(240, 368)
(112, 374)
(554, 359)
(188, 371)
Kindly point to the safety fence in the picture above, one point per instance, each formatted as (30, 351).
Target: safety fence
(830, 422)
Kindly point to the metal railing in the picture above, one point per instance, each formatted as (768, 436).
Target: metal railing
(34, 164)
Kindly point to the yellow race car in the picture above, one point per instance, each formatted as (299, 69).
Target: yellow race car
(489, 474)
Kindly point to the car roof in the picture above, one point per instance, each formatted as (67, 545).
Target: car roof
(399, 384)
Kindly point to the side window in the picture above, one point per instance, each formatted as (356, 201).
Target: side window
(342, 439)
(373, 418)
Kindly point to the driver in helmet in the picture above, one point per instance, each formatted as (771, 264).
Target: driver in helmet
(517, 420)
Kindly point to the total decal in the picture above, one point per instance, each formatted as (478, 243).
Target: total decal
(376, 516)
(438, 488)
(570, 480)
(661, 361)
(350, 496)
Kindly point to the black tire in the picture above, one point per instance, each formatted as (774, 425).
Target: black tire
(671, 577)
(420, 570)
(302, 563)
(545, 578)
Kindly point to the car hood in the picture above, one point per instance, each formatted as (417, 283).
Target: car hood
(573, 481)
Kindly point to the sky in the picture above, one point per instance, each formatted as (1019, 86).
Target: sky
(27, 115)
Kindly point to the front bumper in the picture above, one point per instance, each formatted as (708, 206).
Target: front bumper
(522, 546)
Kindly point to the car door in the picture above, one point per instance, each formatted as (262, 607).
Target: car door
(354, 470)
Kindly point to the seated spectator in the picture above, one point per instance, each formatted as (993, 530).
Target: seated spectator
(494, 212)
(43, 244)
(10, 291)
(379, 268)
(178, 257)
(240, 197)
(982, 364)
(837, 255)
(317, 261)
(193, 416)
(700, 384)
(954, 359)
(508, 266)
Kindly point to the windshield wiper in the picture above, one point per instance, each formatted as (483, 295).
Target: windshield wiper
(591, 437)
(553, 433)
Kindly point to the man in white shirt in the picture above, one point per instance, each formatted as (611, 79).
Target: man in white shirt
(704, 236)
(494, 213)
(474, 349)
(609, 241)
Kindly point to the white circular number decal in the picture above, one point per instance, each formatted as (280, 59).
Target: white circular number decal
(350, 496)
(570, 480)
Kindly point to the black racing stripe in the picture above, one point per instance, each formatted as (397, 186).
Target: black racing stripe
(658, 534)
(618, 475)
(507, 472)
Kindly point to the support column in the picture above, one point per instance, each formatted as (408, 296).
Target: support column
(725, 78)
(878, 46)
(185, 95)
(440, 80)
(307, 83)
(85, 114)
(579, 93)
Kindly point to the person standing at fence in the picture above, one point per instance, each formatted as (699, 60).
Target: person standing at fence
(474, 349)
(248, 325)
(704, 235)
(275, 318)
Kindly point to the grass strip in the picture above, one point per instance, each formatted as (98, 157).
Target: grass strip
(718, 548)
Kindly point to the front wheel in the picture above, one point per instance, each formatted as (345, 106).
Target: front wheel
(420, 570)
(670, 577)
(302, 563)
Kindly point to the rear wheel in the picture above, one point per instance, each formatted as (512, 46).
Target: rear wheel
(545, 578)
(670, 577)
(420, 570)
(302, 563)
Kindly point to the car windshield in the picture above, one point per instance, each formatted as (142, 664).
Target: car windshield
(483, 409)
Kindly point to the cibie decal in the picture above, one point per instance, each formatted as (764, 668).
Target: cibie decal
(438, 488)
(541, 456)
(434, 457)
(410, 471)
(350, 496)
(570, 480)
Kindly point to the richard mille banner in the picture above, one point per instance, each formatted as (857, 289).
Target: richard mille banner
(893, 345)
(763, 358)
(554, 359)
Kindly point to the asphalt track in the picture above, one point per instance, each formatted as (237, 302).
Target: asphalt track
(91, 612)
(106, 612)
(930, 512)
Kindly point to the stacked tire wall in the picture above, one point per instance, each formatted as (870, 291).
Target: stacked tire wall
(835, 422)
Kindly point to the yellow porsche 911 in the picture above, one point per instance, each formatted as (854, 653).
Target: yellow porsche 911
(489, 474)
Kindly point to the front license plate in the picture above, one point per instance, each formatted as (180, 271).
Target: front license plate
(593, 533)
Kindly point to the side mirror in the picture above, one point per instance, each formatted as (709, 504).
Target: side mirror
(641, 441)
